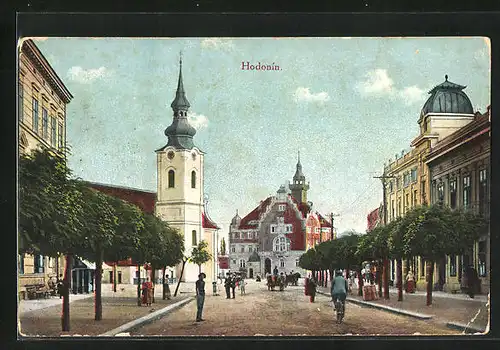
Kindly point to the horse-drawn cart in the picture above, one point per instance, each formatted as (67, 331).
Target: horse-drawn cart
(275, 281)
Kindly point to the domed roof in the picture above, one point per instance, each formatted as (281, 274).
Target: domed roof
(447, 97)
(236, 219)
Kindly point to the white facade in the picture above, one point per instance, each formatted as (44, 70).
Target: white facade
(180, 202)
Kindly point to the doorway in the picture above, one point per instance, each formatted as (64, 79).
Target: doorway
(250, 273)
(267, 266)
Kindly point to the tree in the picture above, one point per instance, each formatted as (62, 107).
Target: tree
(200, 254)
(395, 243)
(185, 259)
(50, 214)
(223, 247)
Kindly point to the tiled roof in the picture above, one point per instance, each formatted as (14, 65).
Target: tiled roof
(145, 200)
(207, 223)
(254, 215)
(323, 221)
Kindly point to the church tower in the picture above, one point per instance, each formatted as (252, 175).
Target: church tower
(180, 179)
(299, 187)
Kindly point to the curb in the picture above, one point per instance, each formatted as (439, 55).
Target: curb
(386, 308)
(148, 318)
(464, 328)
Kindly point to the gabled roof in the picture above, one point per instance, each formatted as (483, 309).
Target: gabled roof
(255, 214)
(323, 221)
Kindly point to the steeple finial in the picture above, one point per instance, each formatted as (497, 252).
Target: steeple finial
(446, 77)
(299, 156)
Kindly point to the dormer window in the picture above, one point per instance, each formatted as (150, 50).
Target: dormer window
(282, 207)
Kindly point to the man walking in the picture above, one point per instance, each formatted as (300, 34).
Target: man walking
(233, 284)
(227, 285)
(200, 296)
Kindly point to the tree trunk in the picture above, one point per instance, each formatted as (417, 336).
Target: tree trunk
(164, 292)
(386, 278)
(153, 279)
(379, 278)
(430, 279)
(360, 283)
(98, 287)
(399, 269)
(199, 269)
(114, 277)
(180, 277)
(66, 285)
(139, 302)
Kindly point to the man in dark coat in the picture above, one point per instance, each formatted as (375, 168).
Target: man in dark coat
(233, 284)
(227, 285)
(275, 271)
(472, 281)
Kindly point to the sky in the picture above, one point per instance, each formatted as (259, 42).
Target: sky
(347, 104)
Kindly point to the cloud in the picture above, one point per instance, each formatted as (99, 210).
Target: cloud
(217, 43)
(198, 121)
(412, 94)
(377, 82)
(303, 94)
(86, 76)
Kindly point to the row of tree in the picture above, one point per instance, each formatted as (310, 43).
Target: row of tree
(429, 232)
(59, 214)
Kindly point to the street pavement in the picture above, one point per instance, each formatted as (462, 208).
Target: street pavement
(289, 313)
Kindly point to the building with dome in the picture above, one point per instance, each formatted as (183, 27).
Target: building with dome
(274, 233)
(447, 110)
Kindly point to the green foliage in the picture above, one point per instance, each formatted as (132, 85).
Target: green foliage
(200, 254)
(223, 247)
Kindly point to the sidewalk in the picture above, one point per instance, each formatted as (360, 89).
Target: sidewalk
(43, 317)
(450, 309)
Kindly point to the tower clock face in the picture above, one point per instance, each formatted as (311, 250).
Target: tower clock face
(171, 155)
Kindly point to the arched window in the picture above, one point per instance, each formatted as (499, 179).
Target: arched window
(242, 263)
(193, 237)
(281, 244)
(282, 263)
(193, 179)
(171, 179)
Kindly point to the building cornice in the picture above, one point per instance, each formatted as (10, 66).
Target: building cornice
(41, 63)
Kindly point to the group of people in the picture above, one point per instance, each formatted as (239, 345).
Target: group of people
(231, 282)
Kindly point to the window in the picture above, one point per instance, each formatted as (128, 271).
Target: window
(21, 263)
(406, 179)
(193, 238)
(53, 139)
(60, 137)
(453, 194)
(399, 206)
(407, 200)
(281, 244)
(250, 249)
(249, 234)
(38, 264)
(482, 192)
(242, 249)
(237, 235)
(242, 263)
(35, 115)
(413, 175)
(282, 263)
(289, 228)
(466, 191)
(440, 192)
(45, 123)
(21, 102)
(193, 179)
(51, 262)
(316, 230)
(257, 248)
(453, 265)
(233, 249)
(415, 198)
(391, 186)
(282, 207)
(273, 228)
(481, 263)
(171, 179)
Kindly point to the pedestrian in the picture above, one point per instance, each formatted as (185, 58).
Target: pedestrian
(472, 281)
(275, 271)
(147, 292)
(60, 286)
(410, 282)
(233, 284)
(200, 296)
(242, 285)
(227, 285)
(311, 290)
(167, 288)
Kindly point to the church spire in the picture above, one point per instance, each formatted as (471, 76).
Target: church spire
(180, 102)
(298, 172)
(180, 133)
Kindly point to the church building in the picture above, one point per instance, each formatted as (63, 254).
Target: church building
(180, 195)
(274, 233)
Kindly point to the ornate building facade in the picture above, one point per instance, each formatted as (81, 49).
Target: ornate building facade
(318, 229)
(447, 110)
(180, 181)
(273, 234)
(42, 101)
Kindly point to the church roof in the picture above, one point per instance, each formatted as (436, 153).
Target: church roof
(447, 97)
(180, 101)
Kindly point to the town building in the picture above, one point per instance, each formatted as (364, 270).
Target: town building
(273, 234)
(407, 185)
(318, 229)
(459, 170)
(42, 103)
(180, 192)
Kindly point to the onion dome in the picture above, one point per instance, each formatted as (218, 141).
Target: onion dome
(447, 97)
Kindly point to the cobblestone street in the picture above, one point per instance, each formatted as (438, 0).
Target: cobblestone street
(287, 313)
